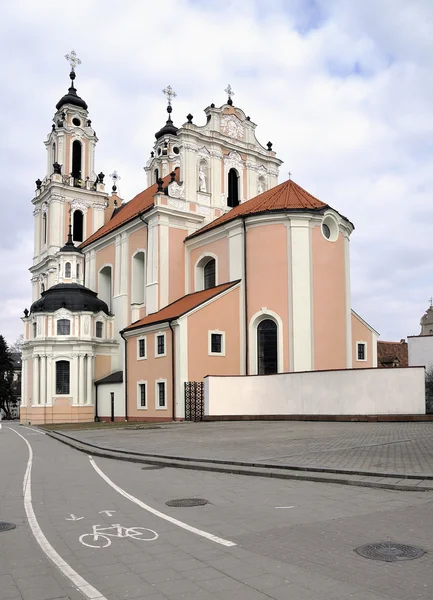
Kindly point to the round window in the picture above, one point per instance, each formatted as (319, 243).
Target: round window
(176, 150)
(326, 231)
(76, 121)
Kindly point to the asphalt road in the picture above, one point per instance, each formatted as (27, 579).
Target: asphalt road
(101, 529)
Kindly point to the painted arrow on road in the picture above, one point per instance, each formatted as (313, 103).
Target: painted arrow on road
(109, 513)
(74, 518)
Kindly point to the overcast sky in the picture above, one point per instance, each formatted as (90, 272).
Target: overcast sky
(343, 89)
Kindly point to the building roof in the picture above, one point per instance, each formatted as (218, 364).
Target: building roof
(116, 377)
(71, 97)
(182, 306)
(285, 196)
(71, 296)
(139, 204)
(389, 353)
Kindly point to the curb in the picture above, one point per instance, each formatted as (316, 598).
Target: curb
(356, 478)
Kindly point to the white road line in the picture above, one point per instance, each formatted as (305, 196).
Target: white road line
(31, 429)
(284, 507)
(79, 582)
(157, 513)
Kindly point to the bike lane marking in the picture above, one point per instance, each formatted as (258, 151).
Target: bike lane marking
(157, 513)
(75, 578)
(31, 429)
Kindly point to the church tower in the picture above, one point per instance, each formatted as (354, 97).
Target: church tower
(70, 192)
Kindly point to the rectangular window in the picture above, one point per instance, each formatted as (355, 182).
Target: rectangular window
(142, 348)
(99, 329)
(35, 330)
(63, 327)
(160, 344)
(161, 394)
(216, 343)
(361, 351)
(62, 377)
(142, 388)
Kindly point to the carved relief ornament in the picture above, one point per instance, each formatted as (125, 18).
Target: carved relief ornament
(233, 160)
(77, 204)
(175, 190)
(231, 126)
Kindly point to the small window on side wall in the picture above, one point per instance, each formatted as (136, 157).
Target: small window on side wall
(209, 274)
(35, 330)
(142, 348)
(361, 353)
(161, 399)
(160, 344)
(63, 327)
(99, 329)
(142, 403)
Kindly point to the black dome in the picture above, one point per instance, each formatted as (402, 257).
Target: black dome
(71, 97)
(169, 127)
(72, 296)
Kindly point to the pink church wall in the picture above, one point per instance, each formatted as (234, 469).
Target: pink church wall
(106, 256)
(361, 333)
(329, 302)
(221, 249)
(267, 257)
(150, 370)
(176, 284)
(223, 315)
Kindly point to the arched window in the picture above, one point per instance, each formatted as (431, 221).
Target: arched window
(54, 152)
(63, 327)
(105, 287)
(68, 270)
(233, 188)
(209, 274)
(156, 175)
(267, 347)
(138, 278)
(44, 226)
(62, 377)
(76, 159)
(78, 219)
(42, 288)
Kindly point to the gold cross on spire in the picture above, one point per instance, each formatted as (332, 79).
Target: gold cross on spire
(73, 59)
(170, 93)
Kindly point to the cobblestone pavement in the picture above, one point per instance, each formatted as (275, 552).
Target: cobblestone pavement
(294, 540)
(405, 448)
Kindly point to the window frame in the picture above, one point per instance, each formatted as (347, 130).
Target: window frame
(101, 323)
(212, 332)
(157, 388)
(142, 338)
(66, 270)
(358, 344)
(35, 329)
(207, 263)
(63, 320)
(139, 405)
(160, 333)
(68, 393)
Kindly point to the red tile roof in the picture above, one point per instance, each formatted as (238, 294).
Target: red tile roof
(390, 352)
(182, 306)
(140, 203)
(285, 196)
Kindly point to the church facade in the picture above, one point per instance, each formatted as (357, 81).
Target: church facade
(214, 268)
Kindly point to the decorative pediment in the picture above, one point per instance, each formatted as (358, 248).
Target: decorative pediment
(233, 160)
(232, 127)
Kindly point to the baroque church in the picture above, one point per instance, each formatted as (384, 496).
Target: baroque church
(213, 269)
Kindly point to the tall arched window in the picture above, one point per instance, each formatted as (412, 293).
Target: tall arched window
(105, 286)
(44, 227)
(209, 274)
(68, 270)
(63, 327)
(267, 347)
(156, 175)
(138, 278)
(62, 377)
(76, 159)
(77, 230)
(233, 188)
(54, 153)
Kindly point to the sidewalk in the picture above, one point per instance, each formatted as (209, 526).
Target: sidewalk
(385, 455)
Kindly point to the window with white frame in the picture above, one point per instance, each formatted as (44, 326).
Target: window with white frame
(209, 279)
(68, 270)
(63, 327)
(99, 329)
(62, 376)
(160, 398)
(138, 278)
(141, 348)
(160, 346)
(361, 351)
(216, 343)
(142, 394)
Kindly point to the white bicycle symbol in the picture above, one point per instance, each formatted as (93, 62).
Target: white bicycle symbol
(100, 537)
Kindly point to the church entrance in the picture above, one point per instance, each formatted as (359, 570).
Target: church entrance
(267, 351)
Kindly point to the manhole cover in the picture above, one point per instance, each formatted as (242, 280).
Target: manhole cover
(389, 551)
(6, 526)
(152, 467)
(186, 502)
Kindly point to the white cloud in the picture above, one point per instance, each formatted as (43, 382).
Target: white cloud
(343, 89)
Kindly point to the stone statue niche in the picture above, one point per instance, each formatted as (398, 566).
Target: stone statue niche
(203, 177)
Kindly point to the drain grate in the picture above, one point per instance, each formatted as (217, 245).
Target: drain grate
(6, 526)
(389, 551)
(187, 502)
(152, 467)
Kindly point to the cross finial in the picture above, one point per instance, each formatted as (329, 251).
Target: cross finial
(229, 93)
(73, 59)
(170, 93)
(115, 177)
(431, 302)
(290, 175)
